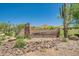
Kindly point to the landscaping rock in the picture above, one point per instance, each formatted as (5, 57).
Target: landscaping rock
(74, 38)
(31, 46)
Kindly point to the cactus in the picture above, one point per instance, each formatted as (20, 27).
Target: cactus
(65, 13)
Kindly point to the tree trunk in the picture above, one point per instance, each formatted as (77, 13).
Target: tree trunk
(66, 18)
(65, 28)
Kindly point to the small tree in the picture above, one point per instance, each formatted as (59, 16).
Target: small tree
(75, 14)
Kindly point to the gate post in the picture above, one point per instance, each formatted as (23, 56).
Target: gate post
(27, 30)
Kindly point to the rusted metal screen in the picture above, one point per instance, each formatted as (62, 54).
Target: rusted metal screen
(45, 33)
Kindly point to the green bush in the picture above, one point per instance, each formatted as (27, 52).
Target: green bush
(9, 33)
(51, 27)
(20, 37)
(72, 32)
(23, 37)
(2, 38)
(20, 43)
(61, 33)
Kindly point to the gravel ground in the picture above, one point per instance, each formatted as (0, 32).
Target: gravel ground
(41, 47)
(70, 48)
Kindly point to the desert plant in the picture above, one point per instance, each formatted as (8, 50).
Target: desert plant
(9, 33)
(20, 26)
(65, 13)
(20, 43)
(19, 37)
(2, 38)
(51, 27)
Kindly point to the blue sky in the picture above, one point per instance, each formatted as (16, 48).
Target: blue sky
(34, 13)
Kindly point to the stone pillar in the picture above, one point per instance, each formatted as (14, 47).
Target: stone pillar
(27, 30)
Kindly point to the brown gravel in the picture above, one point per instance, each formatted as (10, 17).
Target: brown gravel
(41, 47)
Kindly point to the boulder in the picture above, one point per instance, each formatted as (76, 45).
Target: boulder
(74, 38)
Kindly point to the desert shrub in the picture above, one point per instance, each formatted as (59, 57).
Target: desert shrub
(20, 26)
(61, 33)
(72, 32)
(51, 27)
(23, 37)
(0, 41)
(20, 43)
(9, 33)
(19, 37)
(2, 38)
